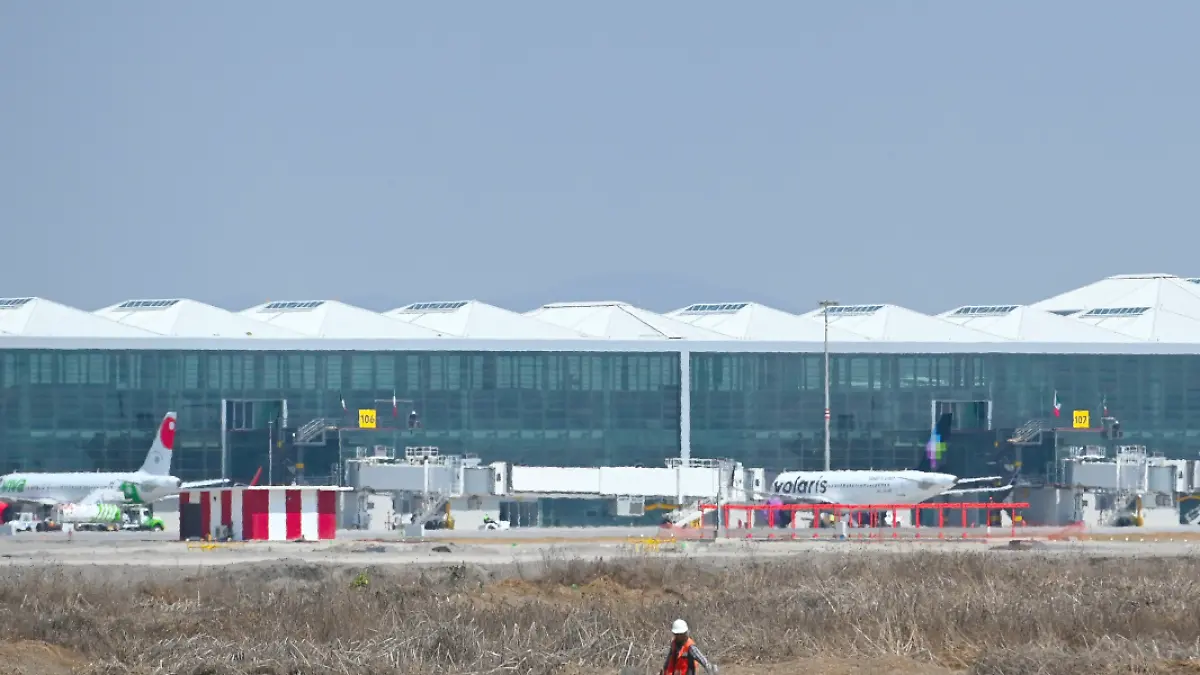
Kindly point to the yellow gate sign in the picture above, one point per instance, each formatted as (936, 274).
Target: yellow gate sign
(1082, 419)
(366, 418)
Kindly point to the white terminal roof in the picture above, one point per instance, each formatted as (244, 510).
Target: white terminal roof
(1144, 311)
(619, 321)
(39, 317)
(333, 319)
(897, 324)
(187, 318)
(752, 321)
(1102, 293)
(1016, 322)
(1148, 307)
(474, 319)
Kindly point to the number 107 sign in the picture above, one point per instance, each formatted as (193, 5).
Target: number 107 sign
(1081, 419)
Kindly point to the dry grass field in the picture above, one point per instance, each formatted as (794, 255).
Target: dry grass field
(936, 613)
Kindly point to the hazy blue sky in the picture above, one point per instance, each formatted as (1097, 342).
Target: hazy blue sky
(924, 154)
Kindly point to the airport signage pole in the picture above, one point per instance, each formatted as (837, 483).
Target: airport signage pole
(270, 453)
(825, 305)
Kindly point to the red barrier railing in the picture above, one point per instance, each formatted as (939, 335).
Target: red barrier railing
(875, 518)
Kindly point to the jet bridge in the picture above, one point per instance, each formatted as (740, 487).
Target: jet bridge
(424, 481)
(421, 469)
(681, 480)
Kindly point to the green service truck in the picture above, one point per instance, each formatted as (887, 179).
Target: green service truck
(142, 518)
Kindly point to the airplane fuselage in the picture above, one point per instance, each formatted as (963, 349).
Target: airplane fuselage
(860, 487)
(135, 487)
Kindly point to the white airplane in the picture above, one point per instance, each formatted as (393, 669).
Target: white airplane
(855, 488)
(152, 482)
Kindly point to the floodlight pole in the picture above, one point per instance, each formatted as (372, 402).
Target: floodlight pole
(270, 452)
(825, 305)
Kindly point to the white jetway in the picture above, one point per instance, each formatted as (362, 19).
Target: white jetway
(684, 481)
(424, 477)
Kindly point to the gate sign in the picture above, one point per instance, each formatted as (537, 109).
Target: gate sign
(1082, 419)
(366, 418)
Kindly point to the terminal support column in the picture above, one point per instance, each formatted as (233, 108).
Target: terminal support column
(685, 405)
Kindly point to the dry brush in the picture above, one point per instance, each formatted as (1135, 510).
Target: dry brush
(982, 613)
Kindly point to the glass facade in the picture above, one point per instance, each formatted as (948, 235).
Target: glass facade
(767, 409)
(66, 410)
(83, 410)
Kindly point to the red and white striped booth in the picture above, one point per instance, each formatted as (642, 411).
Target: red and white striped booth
(260, 513)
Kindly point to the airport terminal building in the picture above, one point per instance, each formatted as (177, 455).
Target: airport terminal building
(591, 383)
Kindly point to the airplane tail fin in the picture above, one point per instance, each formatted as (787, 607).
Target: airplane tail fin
(934, 458)
(158, 460)
(935, 447)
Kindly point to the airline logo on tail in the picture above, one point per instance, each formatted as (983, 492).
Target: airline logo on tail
(935, 449)
(130, 492)
(158, 461)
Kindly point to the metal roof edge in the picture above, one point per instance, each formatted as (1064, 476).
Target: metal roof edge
(733, 346)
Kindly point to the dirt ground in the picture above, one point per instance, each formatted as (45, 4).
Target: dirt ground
(30, 657)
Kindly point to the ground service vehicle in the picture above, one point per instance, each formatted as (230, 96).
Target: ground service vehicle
(140, 518)
(90, 516)
(25, 522)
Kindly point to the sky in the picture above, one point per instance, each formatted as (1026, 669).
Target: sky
(380, 153)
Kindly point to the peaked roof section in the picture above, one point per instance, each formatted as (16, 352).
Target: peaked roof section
(1155, 308)
(1145, 323)
(333, 319)
(39, 317)
(619, 321)
(189, 318)
(474, 319)
(898, 324)
(752, 321)
(1108, 292)
(1016, 322)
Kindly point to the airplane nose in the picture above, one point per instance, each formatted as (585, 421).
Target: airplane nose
(947, 479)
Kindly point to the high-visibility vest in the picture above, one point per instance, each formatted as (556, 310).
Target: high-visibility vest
(681, 662)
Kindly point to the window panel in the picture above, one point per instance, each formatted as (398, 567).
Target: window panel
(294, 373)
(271, 373)
(8, 370)
(437, 372)
(362, 369)
(334, 380)
(310, 371)
(454, 372)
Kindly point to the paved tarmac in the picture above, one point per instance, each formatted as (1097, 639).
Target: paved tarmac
(537, 545)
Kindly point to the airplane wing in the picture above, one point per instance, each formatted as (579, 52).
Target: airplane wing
(1002, 488)
(994, 487)
(39, 502)
(921, 484)
(104, 495)
(202, 483)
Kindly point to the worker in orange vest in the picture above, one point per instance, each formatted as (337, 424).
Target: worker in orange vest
(683, 654)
